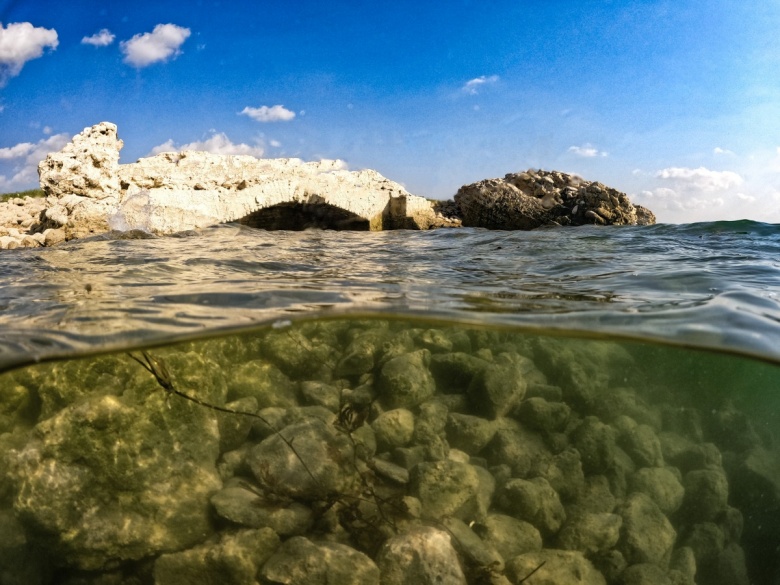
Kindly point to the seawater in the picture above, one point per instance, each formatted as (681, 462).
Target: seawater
(631, 373)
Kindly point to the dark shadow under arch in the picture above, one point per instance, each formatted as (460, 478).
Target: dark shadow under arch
(301, 216)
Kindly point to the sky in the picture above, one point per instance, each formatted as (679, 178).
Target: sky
(675, 103)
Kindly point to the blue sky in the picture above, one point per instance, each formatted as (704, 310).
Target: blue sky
(676, 103)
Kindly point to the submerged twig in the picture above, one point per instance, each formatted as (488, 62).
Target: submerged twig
(528, 576)
(157, 368)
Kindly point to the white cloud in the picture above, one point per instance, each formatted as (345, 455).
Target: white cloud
(275, 143)
(587, 151)
(722, 151)
(21, 42)
(217, 143)
(701, 179)
(473, 86)
(23, 158)
(103, 38)
(276, 113)
(47, 130)
(157, 46)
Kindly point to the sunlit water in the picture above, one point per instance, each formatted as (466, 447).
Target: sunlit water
(119, 466)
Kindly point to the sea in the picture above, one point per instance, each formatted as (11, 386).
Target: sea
(671, 329)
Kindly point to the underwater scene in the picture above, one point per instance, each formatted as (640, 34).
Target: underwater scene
(395, 451)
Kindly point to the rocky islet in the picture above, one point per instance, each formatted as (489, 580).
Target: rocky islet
(87, 192)
(362, 471)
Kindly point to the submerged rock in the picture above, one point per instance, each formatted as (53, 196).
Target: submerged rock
(423, 556)
(234, 560)
(112, 479)
(301, 561)
(554, 567)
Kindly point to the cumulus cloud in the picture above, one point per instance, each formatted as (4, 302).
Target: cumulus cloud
(103, 38)
(277, 113)
(217, 143)
(722, 151)
(473, 86)
(23, 159)
(587, 151)
(160, 45)
(702, 179)
(21, 42)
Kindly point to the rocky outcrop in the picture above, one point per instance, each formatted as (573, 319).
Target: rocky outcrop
(533, 199)
(90, 192)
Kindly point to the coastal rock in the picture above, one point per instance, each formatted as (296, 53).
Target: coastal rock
(447, 488)
(68, 478)
(234, 560)
(532, 199)
(90, 192)
(646, 536)
(423, 556)
(533, 501)
(306, 460)
(509, 536)
(301, 561)
(553, 567)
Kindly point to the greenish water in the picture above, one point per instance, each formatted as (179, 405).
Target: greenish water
(222, 459)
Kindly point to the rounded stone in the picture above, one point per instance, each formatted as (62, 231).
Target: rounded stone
(405, 380)
(423, 556)
(553, 567)
(508, 535)
(706, 494)
(393, 428)
(661, 485)
(534, 501)
(303, 562)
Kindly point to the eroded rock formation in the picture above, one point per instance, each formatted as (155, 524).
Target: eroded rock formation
(537, 198)
(88, 192)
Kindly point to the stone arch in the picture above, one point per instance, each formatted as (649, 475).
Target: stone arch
(295, 215)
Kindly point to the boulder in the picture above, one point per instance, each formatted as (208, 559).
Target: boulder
(303, 562)
(111, 479)
(423, 556)
(553, 567)
(532, 199)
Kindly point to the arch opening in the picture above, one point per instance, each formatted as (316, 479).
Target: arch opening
(301, 216)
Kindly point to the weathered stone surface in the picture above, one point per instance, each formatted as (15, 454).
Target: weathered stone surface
(533, 501)
(117, 478)
(405, 381)
(320, 461)
(661, 484)
(706, 494)
(647, 536)
(423, 556)
(508, 535)
(555, 567)
(394, 428)
(447, 488)
(590, 533)
(89, 191)
(234, 560)
(300, 561)
(532, 199)
(249, 508)
(500, 386)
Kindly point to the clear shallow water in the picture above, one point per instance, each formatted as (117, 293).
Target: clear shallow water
(107, 465)
(712, 284)
(233, 459)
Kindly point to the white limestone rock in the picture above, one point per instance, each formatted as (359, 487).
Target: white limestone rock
(90, 192)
